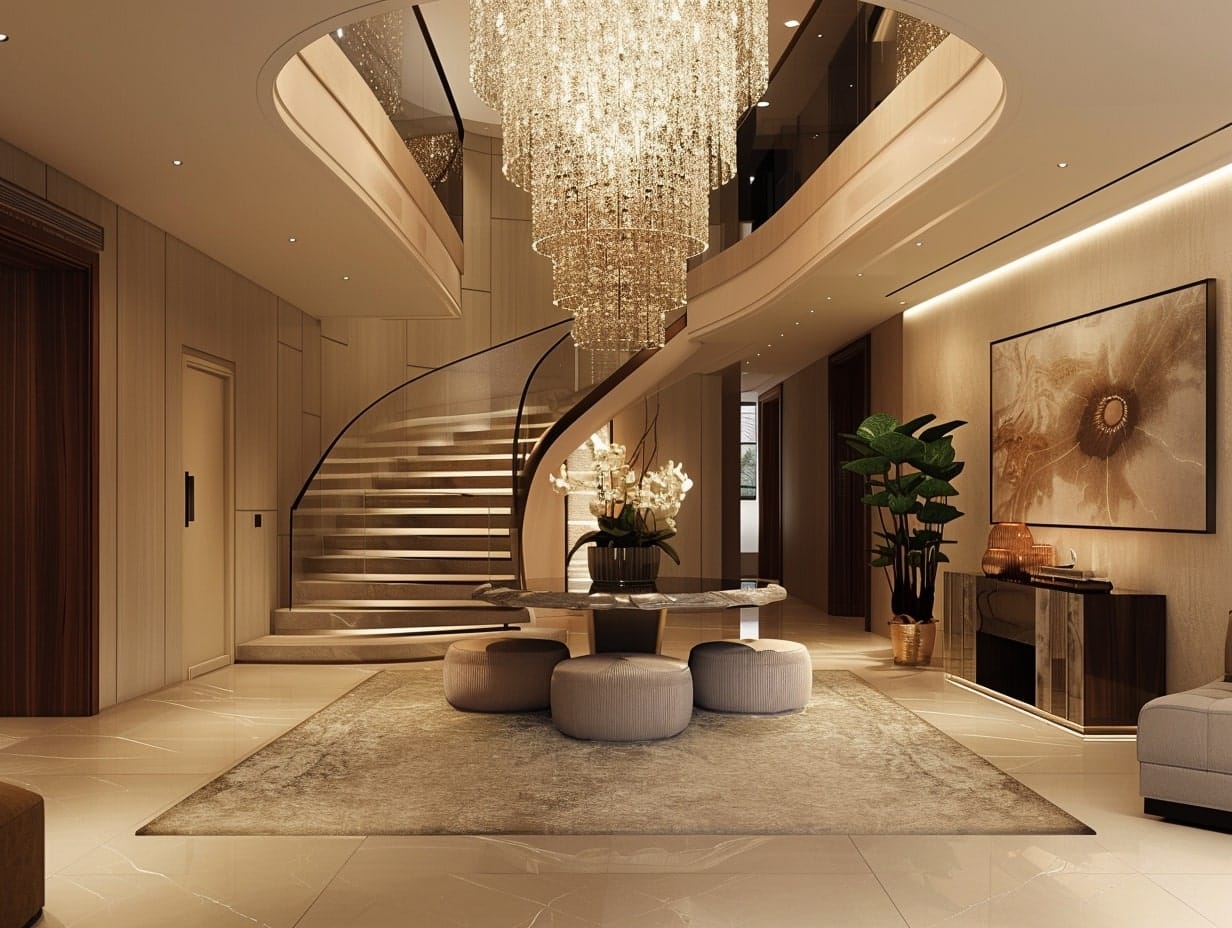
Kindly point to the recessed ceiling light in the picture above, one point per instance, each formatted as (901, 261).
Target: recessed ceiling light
(1062, 164)
(919, 244)
(759, 354)
(768, 345)
(860, 274)
(291, 240)
(346, 277)
(751, 178)
(797, 323)
(4, 36)
(792, 23)
(829, 298)
(339, 33)
(177, 162)
(902, 302)
(821, 35)
(812, 311)
(763, 102)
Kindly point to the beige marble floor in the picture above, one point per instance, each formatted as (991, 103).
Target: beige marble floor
(103, 777)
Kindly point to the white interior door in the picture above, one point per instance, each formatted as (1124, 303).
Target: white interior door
(206, 575)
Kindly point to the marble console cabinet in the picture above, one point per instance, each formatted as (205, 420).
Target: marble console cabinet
(1088, 661)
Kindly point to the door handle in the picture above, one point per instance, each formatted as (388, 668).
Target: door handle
(190, 498)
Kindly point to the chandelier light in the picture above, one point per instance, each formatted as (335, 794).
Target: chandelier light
(619, 118)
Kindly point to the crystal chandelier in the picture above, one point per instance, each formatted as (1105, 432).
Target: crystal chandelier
(619, 118)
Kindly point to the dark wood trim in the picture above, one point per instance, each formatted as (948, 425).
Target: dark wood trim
(57, 671)
(849, 395)
(57, 230)
(770, 483)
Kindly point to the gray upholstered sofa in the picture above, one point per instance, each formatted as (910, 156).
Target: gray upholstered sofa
(1185, 752)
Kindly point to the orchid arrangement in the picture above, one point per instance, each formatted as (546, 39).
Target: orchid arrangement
(633, 511)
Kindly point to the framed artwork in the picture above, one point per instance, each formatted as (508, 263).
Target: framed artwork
(1107, 420)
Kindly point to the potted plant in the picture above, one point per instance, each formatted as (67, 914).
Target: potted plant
(907, 478)
(636, 513)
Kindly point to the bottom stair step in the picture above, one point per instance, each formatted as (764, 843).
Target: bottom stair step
(369, 648)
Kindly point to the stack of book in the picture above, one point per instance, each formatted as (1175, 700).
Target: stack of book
(1070, 578)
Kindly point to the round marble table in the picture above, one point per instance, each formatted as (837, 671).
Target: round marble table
(631, 620)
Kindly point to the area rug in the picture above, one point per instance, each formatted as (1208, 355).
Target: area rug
(391, 757)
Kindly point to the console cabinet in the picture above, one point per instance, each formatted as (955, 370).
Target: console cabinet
(1089, 661)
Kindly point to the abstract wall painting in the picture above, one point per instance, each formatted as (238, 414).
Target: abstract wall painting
(1106, 420)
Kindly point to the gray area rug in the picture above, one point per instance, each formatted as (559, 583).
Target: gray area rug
(391, 757)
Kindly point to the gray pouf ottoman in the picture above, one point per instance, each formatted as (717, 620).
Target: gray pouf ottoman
(751, 675)
(21, 856)
(1185, 755)
(501, 674)
(622, 697)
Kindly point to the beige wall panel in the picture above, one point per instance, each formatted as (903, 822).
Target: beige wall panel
(945, 364)
(66, 192)
(290, 325)
(508, 200)
(312, 365)
(141, 424)
(256, 573)
(337, 329)
(310, 444)
(886, 395)
(26, 172)
(256, 397)
(282, 594)
(521, 283)
(200, 300)
(805, 507)
(432, 343)
(354, 375)
(290, 425)
(477, 220)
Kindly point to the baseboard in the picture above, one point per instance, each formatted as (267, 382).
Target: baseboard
(1215, 819)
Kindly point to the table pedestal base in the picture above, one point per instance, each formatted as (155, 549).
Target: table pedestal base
(626, 630)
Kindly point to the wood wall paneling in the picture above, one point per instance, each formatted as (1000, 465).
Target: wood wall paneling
(521, 282)
(256, 573)
(24, 171)
(312, 365)
(255, 322)
(477, 218)
(433, 342)
(290, 426)
(140, 484)
(48, 616)
(849, 382)
(290, 325)
(66, 192)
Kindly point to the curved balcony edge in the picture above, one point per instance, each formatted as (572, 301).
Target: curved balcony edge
(326, 106)
(943, 110)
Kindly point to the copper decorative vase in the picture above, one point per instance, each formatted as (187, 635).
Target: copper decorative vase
(623, 566)
(912, 642)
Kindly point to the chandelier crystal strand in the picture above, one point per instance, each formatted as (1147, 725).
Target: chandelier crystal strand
(619, 129)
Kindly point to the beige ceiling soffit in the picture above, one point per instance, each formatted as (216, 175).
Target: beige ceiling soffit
(941, 112)
(20, 204)
(326, 105)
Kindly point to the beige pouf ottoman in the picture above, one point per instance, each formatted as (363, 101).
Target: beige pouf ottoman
(622, 697)
(752, 675)
(21, 856)
(501, 674)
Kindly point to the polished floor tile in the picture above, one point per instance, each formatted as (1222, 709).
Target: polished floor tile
(105, 776)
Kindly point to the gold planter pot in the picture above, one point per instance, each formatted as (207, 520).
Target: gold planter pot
(912, 642)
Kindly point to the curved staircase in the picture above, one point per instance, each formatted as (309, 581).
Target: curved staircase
(415, 504)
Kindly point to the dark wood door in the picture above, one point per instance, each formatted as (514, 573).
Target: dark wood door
(769, 484)
(849, 385)
(48, 468)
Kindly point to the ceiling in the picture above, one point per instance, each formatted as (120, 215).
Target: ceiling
(1132, 95)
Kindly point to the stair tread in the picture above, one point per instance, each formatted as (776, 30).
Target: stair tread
(384, 605)
(408, 578)
(409, 491)
(427, 531)
(442, 554)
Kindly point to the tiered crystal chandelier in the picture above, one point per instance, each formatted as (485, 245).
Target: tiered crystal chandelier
(619, 117)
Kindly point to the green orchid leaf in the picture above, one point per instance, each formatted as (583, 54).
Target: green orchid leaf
(671, 552)
(896, 446)
(908, 428)
(879, 423)
(585, 539)
(937, 431)
(876, 499)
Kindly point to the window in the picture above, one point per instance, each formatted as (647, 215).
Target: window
(748, 451)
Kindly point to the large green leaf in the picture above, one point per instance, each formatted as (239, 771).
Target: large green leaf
(902, 505)
(879, 423)
(866, 467)
(937, 431)
(935, 513)
(908, 428)
(942, 558)
(906, 485)
(949, 473)
(671, 552)
(881, 562)
(876, 499)
(589, 536)
(931, 487)
(896, 446)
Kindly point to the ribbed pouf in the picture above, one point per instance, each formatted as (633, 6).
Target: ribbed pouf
(751, 675)
(622, 697)
(21, 856)
(501, 674)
